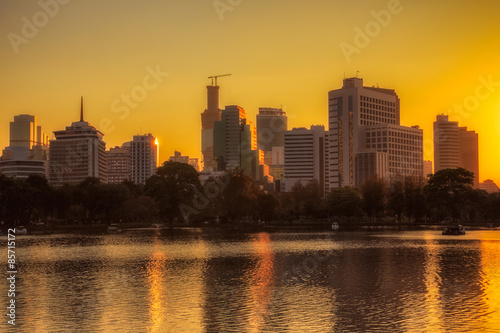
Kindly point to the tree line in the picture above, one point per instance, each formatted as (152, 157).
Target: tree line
(175, 194)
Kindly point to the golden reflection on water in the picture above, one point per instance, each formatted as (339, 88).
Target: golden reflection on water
(39, 312)
(490, 261)
(155, 273)
(432, 281)
(261, 281)
(174, 309)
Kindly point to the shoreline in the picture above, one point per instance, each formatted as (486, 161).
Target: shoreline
(248, 227)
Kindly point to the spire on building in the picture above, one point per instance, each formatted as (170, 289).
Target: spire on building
(81, 110)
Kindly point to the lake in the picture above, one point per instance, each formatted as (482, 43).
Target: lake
(193, 280)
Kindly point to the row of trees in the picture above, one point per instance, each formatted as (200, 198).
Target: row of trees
(175, 194)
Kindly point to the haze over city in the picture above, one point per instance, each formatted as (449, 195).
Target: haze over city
(439, 58)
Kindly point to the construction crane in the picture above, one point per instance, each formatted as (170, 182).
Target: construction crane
(215, 77)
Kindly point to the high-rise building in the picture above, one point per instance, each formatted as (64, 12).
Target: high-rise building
(371, 164)
(362, 118)
(468, 152)
(76, 153)
(271, 127)
(28, 150)
(144, 157)
(305, 157)
(403, 145)
(211, 114)
(118, 161)
(446, 151)
(455, 147)
(235, 144)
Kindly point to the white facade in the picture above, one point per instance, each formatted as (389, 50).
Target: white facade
(77, 152)
(446, 147)
(144, 157)
(305, 156)
(28, 150)
(355, 111)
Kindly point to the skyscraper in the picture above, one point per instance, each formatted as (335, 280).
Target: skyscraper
(144, 152)
(27, 153)
(363, 119)
(446, 153)
(235, 144)
(468, 152)
(118, 162)
(271, 126)
(76, 153)
(305, 157)
(211, 114)
(455, 147)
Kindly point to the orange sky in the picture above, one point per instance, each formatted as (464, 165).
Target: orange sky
(281, 53)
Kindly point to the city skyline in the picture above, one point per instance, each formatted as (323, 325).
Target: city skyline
(293, 66)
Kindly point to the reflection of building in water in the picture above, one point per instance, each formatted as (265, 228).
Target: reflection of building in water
(261, 282)
(225, 305)
(157, 299)
(490, 274)
(176, 288)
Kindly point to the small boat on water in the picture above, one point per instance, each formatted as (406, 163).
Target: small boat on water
(454, 230)
(114, 228)
(21, 230)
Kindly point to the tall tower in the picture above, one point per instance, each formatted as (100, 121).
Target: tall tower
(27, 153)
(211, 114)
(144, 157)
(352, 109)
(468, 143)
(446, 153)
(77, 152)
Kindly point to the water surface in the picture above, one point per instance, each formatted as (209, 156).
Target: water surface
(218, 281)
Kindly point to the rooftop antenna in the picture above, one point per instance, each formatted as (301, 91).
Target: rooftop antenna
(81, 110)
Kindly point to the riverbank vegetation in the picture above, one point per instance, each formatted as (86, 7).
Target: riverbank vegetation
(176, 195)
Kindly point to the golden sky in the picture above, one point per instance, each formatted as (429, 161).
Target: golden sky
(437, 56)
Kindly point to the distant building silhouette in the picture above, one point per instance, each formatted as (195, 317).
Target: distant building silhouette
(489, 186)
(185, 159)
(272, 124)
(119, 163)
(468, 152)
(363, 119)
(211, 114)
(28, 150)
(144, 152)
(235, 145)
(455, 147)
(76, 153)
